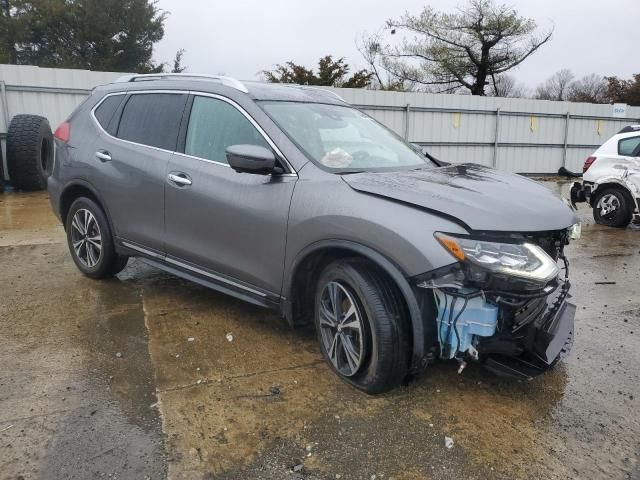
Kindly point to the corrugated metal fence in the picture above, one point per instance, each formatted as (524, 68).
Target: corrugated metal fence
(518, 135)
(50, 92)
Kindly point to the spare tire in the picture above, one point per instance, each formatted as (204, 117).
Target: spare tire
(29, 152)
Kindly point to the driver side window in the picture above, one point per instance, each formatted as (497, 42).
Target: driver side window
(215, 125)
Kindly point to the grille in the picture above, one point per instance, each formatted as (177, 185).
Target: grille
(528, 313)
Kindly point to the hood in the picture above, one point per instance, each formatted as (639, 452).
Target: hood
(479, 197)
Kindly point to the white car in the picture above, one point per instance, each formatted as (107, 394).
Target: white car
(611, 180)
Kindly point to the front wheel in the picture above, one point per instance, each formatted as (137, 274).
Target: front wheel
(360, 321)
(613, 208)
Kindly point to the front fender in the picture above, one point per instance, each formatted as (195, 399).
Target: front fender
(326, 210)
(328, 214)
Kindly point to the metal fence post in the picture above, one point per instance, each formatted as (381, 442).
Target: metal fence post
(566, 139)
(3, 135)
(407, 113)
(496, 137)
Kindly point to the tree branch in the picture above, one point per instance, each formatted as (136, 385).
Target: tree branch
(526, 55)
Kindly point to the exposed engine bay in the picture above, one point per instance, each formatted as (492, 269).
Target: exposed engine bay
(515, 322)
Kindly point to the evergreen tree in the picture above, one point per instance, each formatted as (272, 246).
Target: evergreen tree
(106, 35)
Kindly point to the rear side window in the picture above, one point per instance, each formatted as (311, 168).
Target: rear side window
(152, 119)
(629, 146)
(104, 113)
(215, 125)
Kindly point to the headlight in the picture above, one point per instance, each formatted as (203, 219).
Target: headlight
(575, 231)
(522, 260)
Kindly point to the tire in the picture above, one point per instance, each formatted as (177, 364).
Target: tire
(622, 205)
(380, 343)
(94, 262)
(29, 152)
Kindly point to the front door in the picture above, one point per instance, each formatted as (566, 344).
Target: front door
(232, 225)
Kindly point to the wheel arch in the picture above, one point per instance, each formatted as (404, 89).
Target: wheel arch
(299, 285)
(81, 188)
(614, 183)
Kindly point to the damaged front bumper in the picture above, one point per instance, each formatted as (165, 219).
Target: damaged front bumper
(540, 334)
(580, 193)
(511, 330)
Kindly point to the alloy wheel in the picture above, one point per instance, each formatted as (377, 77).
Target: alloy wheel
(86, 238)
(608, 205)
(341, 329)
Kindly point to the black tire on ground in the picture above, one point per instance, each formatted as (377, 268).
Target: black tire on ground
(107, 262)
(385, 360)
(29, 152)
(621, 216)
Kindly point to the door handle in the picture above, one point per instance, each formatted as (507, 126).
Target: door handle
(181, 179)
(103, 156)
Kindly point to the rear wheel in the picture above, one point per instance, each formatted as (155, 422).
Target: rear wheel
(360, 321)
(90, 240)
(613, 208)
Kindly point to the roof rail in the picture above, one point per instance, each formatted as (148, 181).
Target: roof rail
(228, 81)
(629, 128)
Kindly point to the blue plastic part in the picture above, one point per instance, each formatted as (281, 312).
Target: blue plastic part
(478, 318)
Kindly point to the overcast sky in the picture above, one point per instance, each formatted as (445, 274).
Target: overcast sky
(243, 37)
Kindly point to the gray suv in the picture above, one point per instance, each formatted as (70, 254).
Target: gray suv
(289, 198)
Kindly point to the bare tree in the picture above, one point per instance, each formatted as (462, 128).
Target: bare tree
(370, 47)
(556, 87)
(589, 89)
(624, 91)
(508, 86)
(562, 85)
(460, 50)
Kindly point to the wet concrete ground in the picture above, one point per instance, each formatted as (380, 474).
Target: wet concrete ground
(135, 377)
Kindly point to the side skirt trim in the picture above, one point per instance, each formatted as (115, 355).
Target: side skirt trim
(195, 274)
(213, 276)
(178, 272)
(142, 250)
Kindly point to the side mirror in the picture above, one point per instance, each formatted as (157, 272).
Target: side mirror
(251, 159)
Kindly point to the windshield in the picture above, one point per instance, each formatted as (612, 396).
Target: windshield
(342, 138)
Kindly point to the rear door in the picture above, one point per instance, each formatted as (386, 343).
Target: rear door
(132, 153)
(229, 226)
(629, 147)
